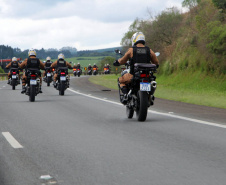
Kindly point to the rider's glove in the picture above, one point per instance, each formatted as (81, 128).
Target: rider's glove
(157, 66)
(116, 63)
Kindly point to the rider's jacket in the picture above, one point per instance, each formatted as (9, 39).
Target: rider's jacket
(48, 63)
(94, 66)
(32, 62)
(89, 67)
(13, 65)
(139, 54)
(61, 63)
(78, 66)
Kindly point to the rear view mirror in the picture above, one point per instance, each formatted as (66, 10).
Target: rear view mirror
(157, 54)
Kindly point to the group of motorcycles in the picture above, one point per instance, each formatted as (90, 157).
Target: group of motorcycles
(93, 71)
(139, 98)
(77, 72)
(33, 80)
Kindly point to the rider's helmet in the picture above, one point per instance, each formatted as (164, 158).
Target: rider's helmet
(14, 59)
(89, 64)
(48, 58)
(61, 56)
(138, 37)
(32, 52)
(78, 63)
(94, 63)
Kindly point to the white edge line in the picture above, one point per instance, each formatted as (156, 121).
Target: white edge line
(12, 141)
(155, 112)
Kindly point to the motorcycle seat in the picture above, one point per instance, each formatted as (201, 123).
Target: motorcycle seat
(144, 65)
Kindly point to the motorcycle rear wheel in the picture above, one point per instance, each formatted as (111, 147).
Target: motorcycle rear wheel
(61, 88)
(13, 84)
(32, 93)
(142, 105)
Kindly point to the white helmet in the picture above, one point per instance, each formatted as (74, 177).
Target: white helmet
(138, 37)
(48, 58)
(14, 59)
(94, 63)
(31, 52)
(61, 56)
(78, 63)
(89, 64)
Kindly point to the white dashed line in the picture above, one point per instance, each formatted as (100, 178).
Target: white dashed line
(12, 141)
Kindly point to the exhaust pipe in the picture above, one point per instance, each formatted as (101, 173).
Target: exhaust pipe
(153, 87)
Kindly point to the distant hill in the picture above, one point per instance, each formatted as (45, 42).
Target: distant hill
(98, 52)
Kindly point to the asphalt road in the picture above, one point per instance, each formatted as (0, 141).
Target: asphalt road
(84, 138)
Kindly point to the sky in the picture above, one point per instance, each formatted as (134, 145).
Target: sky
(83, 24)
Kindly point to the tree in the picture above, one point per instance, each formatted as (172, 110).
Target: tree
(190, 3)
(220, 4)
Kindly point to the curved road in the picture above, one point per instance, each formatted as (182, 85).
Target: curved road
(84, 138)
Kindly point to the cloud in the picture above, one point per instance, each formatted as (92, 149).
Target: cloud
(86, 24)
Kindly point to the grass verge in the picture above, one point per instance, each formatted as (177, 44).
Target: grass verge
(193, 88)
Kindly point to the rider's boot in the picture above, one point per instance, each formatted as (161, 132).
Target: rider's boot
(40, 89)
(54, 84)
(23, 89)
(125, 91)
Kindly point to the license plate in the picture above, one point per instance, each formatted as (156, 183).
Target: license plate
(13, 76)
(63, 78)
(145, 86)
(33, 82)
(48, 74)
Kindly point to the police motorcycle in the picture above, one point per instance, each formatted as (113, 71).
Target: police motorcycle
(141, 89)
(62, 80)
(48, 75)
(14, 80)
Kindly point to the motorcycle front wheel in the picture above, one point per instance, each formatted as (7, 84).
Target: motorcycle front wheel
(142, 105)
(129, 112)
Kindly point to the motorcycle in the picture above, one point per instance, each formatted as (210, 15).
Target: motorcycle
(62, 80)
(141, 89)
(106, 71)
(74, 71)
(14, 80)
(79, 72)
(94, 71)
(89, 71)
(33, 83)
(48, 75)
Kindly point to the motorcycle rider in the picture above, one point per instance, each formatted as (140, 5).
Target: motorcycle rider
(78, 66)
(47, 64)
(13, 64)
(59, 63)
(136, 53)
(31, 62)
(89, 67)
(95, 66)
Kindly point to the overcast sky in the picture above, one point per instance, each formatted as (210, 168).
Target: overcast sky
(84, 24)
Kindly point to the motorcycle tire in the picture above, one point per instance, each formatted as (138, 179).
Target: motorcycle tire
(142, 105)
(32, 93)
(48, 81)
(129, 112)
(61, 88)
(78, 74)
(13, 84)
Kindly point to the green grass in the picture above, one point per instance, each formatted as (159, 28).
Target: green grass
(84, 61)
(187, 87)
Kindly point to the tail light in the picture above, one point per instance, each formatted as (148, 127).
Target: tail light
(53, 69)
(144, 76)
(33, 76)
(62, 73)
(14, 73)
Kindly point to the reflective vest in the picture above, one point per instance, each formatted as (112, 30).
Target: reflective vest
(61, 63)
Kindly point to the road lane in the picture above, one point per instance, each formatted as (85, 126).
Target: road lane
(80, 140)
